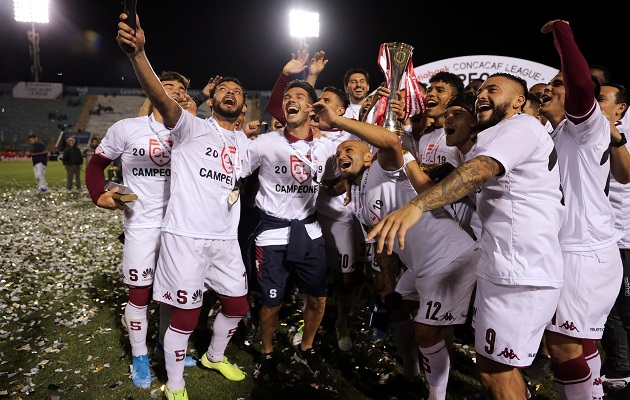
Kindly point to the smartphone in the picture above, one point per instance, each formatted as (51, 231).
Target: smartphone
(129, 8)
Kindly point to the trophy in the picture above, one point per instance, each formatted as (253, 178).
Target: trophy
(399, 55)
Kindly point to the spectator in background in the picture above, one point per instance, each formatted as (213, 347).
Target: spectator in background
(72, 160)
(89, 151)
(39, 155)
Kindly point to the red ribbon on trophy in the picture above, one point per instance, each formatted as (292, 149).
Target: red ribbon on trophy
(414, 96)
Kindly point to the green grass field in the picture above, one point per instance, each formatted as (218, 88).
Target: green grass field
(61, 299)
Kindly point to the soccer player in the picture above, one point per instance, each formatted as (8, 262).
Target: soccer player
(199, 230)
(588, 235)
(440, 266)
(143, 144)
(519, 206)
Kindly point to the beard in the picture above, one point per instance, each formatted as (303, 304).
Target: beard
(218, 108)
(499, 113)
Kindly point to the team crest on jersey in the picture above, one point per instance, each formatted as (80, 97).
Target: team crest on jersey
(157, 154)
(298, 170)
(227, 157)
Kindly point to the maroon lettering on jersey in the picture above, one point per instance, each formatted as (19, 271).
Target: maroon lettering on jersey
(298, 170)
(157, 153)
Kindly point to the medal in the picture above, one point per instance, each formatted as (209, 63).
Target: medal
(234, 196)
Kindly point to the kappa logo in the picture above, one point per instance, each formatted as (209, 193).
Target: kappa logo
(157, 153)
(227, 154)
(147, 273)
(569, 326)
(448, 317)
(167, 296)
(508, 354)
(298, 170)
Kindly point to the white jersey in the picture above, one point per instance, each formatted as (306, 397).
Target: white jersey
(432, 243)
(432, 149)
(521, 210)
(583, 156)
(619, 197)
(207, 162)
(289, 173)
(144, 147)
(333, 206)
(352, 111)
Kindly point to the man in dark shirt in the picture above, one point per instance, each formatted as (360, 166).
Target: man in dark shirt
(40, 160)
(72, 160)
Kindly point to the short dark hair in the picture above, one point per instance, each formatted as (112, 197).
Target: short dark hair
(450, 79)
(228, 79)
(520, 81)
(343, 96)
(174, 76)
(304, 85)
(32, 137)
(621, 97)
(532, 99)
(465, 100)
(352, 71)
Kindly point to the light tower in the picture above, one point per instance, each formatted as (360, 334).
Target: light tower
(33, 11)
(303, 24)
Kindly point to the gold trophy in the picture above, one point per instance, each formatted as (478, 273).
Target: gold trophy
(399, 55)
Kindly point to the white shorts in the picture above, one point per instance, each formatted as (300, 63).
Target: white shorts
(406, 286)
(445, 295)
(591, 286)
(140, 254)
(189, 266)
(509, 321)
(339, 237)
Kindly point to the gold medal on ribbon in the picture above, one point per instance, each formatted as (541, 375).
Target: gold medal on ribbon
(234, 196)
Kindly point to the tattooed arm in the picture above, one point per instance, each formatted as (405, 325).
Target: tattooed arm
(466, 178)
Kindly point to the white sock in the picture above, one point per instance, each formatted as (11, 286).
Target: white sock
(403, 336)
(594, 362)
(223, 329)
(175, 342)
(137, 327)
(436, 364)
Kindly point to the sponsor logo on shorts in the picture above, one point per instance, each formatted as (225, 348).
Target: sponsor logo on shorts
(597, 329)
(167, 296)
(197, 296)
(147, 273)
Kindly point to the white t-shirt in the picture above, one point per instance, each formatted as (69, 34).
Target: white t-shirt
(432, 243)
(432, 149)
(207, 162)
(583, 157)
(521, 210)
(352, 111)
(288, 184)
(140, 143)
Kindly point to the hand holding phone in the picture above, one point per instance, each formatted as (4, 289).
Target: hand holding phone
(129, 8)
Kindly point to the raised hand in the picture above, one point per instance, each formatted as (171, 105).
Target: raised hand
(317, 64)
(210, 85)
(130, 41)
(297, 63)
(394, 226)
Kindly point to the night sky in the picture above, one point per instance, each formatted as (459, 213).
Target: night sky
(250, 39)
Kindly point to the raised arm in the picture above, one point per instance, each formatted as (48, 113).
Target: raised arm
(389, 145)
(578, 85)
(296, 65)
(132, 43)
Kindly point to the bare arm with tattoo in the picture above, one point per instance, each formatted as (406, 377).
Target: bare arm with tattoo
(466, 178)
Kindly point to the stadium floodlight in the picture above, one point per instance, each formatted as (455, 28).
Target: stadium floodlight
(303, 24)
(33, 11)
